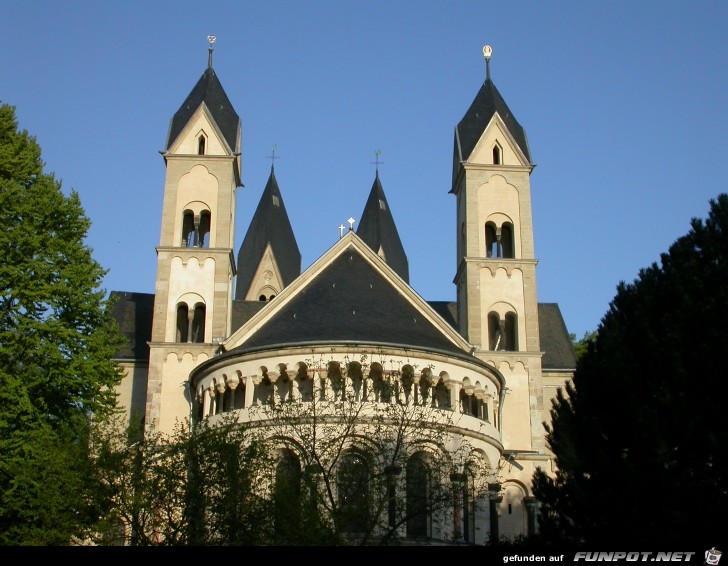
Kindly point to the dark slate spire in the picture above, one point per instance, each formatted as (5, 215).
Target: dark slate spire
(208, 90)
(378, 230)
(487, 102)
(270, 225)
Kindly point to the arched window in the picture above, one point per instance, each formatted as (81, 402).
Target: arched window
(496, 340)
(506, 240)
(188, 229)
(182, 322)
(201, 143)
(198, 324)
(496, 155)
(491, 241)
(511, 332)
(417, 497)
(352, 485)
(262, 298)
(204, 229)
(287, 495)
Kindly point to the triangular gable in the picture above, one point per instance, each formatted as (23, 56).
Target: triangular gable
(349, 295)
(201, 119)
(496, 130)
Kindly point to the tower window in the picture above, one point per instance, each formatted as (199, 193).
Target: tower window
(276, 201)
(201, 145)
(182, 322)
(204, 229)
(262, 298)
(511, 332)
(198, 324)
(382, 205)
(506, 240)
(188, 229)
(492, 245)
(496, 336)
(496, 155)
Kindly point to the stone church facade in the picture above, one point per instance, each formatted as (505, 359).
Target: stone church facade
(229, 331)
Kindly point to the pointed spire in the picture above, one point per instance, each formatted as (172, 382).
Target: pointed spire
(487, 102)
(270, 226)
(208, 90)
(378, 230)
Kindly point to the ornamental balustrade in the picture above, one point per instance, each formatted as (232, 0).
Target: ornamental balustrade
(223, 392)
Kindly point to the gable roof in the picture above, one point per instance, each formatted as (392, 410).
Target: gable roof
(487, 102)
(208, 90)
(555, 341)
(349, 296)
(378, 230)
(270, 225)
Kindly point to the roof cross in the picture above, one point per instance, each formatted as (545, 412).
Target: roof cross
(341, 231)
(376, 162)
(273, 156)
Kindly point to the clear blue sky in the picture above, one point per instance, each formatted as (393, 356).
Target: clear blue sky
(623, 102)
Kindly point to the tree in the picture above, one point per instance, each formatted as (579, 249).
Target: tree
(56, 346)
(581, 346)
(367, 472)
(639, 438)
(325, 469)
(200, 485)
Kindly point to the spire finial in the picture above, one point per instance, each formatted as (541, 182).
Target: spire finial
(487, 52)
(211, 39)
(273, 157)
(376, 161)
(351, 223)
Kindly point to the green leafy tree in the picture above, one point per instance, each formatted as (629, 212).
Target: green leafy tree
(639, 438)
(200, 485)
(581, 346)
(56, 346)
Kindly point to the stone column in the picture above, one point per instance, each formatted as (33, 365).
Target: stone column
(255, 390)
(249, 390)
(295, 385)
(220, 405)
(233, 385)
(367, 385)
(454, 387)
(205, 402)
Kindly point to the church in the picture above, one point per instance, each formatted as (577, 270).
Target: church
(234, 328)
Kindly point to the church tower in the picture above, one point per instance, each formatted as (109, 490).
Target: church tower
(195, 262)
(496, 271)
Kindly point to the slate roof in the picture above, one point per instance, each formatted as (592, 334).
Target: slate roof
(487, 102)
(133, 312)
(327, 312)
(377, 229)
(270, 224)
(208, 90)
(350, 301)
(555, 342)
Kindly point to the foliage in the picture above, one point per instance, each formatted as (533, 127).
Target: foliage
(56, 346)
(357, 456)
(581, 346)
(200, 485)
(328, 471)
(639, 441)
